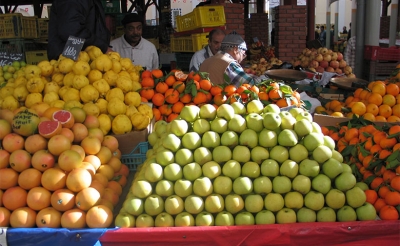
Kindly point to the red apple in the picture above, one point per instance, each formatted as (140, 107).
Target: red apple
(338, 71)
(330, 69)
(334, 56)
(342, 63)
(323, 64)
(319, 58)
(314, 64)
(339, 56)
(320, 69)
(327, 58)
(334, 64)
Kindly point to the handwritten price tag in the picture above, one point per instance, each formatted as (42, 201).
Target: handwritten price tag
(73, 47)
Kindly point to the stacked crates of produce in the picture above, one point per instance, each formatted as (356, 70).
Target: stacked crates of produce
(380, 62)
(192, 31)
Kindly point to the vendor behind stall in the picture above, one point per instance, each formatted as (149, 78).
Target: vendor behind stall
(224, 67)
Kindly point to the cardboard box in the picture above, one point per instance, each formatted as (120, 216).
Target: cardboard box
(331, 96)
(127, 142)
(327, 120)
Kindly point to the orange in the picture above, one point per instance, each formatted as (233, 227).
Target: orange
(14, 197)
(170, 80)
(380, 118)
(215, 90)
(394, 129)
(367, 160)
(349, 100)
(49, 218)
(38, 198)
(378, 136)
(146, 74)
(373, 109)
(171, 96)
(179, 86)
(379, 88)
(359, 108)
(99, 216)
(371, 195)
(385, 110)
(395, 183)
(384, 154)
(172, 116)
(382, 191)
(161, 87)
(87, 198)
(375, 98)
(23, 218)
(205, 84)
(200, 98)
(186, 98)
(73, 218)
(147, 93)
(389, 99)
(181, 76)
(229, 90)
(376, 148)
(263, 96)
(396, 110)
(369, 116)
(165, 110)
(376, 182)
(275, 94)
(358, 91)
(219, 99)
(392, 89)
(364, 94)
(157, 73)
(350, 134)
(388, 212)
(147, 82)
(158, 99)
(388, 175)
(393, 118)
(195, 76)
(334, 104)
(4, 217)
(388, 143)
(379, 204)
(177, 107)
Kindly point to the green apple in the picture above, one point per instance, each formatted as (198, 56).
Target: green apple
(5, 68)
(183, 156)
(255, 122)
(239, 108)
(242, 185)
(298, 153)
(214, 203)
(313, 140)
(346, 214)
(302, 127)
(271, 121)
(322, 153)
(222, 185)
(304, 115)
(225, 111)
(321, 183)
(237, 123)
(274, 202)
(190, 113)
(309, 168)
(287, 138)
(295, 111)
(184, 219)
(329, 142)
(210, 139)
(345, 181)
(133, 206)
(224, 218)
(316, 127)
(173, 172)
(222, 154)
(265, 217)
(211, 169)
(182, 187)
(232, 169)
(255, 106)
(248, 138)
(204, 219)
(332, 168)
(219, 125)
(281, 184)
(171, 142)
(141, 188)
(241, 153)
(194, 204)
(154, 172)
(279, 153)
(337, 156)
(366, 212)
(229, 138)
(254, 203)
(306, 215)
(208, 112)
(164, 220)
(362, 185)
(164, 188)
(251, 169)
(191, 140)
(152, 138)
(192, 171)
(174, 205)
(177, 127)
(335, 198)
(234, 203)
(124, 220)
(165, 157)
(153, 205)
(144, 221)
(22, 63)
(202, 186)
(346, 168)
(314, 200)
(301, 184)
(258, 154)
(161, 126)
(262, 185)
(294, 199)
(288, 120)
(202, 155)
(355, 197)
(286, 216)
(326, 214)
(272, 108)
(289, 169)
(270, 168)
(267, 138)
(201, 126)
(244, 218)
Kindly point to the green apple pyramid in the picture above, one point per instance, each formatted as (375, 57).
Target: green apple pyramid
(222, 167)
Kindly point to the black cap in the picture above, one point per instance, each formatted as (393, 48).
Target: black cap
(132, 17)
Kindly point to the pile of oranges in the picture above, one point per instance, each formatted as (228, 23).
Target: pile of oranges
(374, 154)
(171, 92)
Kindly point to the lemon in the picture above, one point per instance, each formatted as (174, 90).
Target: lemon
(132, 98)
(103, 63)
(6, 91)
(116, 107)
(89, 94)
(57, 104)
(140, 121)
(126, 64)
(71, 94)
(33, 98)
(51, 87)
(65, 65)
(105, 123)
(9, 102)
(81, 68)
(115, 93)
(102, 104)
(111, 77)
(20, 93)
(58, 78)
(63, 90)
(91, 109)
(80, 81)
(72, 104)
(102, 87)
(146, 110)
(94, 75)
(116, 66)
(121, 124)
(130, 110)
(68, 79)
(83, 56)
(125, 83)
(35, 84)
(50, 97)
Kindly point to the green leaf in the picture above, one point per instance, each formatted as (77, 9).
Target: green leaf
(369, 180)
(374, 164)
(194, 91)
(356, 172)
(286, 89)
(394, 135)
(348, 150)
(363, 151)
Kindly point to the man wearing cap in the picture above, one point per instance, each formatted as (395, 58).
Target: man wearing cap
(215, 38)
(131, 45)
(226, 63)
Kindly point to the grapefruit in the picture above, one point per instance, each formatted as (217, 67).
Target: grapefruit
(49, 128)
(25, 122)
(65, 117)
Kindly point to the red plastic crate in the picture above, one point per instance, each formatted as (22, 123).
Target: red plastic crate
(376, 53)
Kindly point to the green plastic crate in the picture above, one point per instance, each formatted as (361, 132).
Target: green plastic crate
(136, 157)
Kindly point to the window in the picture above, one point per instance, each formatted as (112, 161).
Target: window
(174, 13)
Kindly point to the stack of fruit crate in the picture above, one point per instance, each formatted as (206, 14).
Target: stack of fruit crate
(380, 62)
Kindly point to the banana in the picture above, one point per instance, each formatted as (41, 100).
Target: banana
(255, 52)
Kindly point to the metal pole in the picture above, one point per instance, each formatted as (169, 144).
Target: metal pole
(335, 30)
(311, 20)
(359, 33)
(372, 23)
(328, 25)
(353, 17)
(393, 22)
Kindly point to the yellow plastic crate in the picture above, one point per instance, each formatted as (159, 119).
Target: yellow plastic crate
(18, 26)
(30, 27)
(155, 41)
(182, 44)
(199, 41)
(204, 16)
(34, 57)
(43, 24)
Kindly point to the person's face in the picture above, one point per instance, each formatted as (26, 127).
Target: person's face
(133, 32)
(215, 42)
(239, 54)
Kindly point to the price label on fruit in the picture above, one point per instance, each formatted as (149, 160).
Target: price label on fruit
(7, 58)
(73, 47)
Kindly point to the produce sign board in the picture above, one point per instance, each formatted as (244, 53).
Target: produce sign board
(7, 58)
(73, 47)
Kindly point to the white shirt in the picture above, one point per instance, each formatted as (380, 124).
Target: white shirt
(144, 54)
(199, 57)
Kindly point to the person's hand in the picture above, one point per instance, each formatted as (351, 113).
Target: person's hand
(109, 50)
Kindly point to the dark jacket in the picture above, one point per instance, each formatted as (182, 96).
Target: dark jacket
(78, 18)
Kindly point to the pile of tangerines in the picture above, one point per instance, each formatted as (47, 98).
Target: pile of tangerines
(171, 92)
(374, 154)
